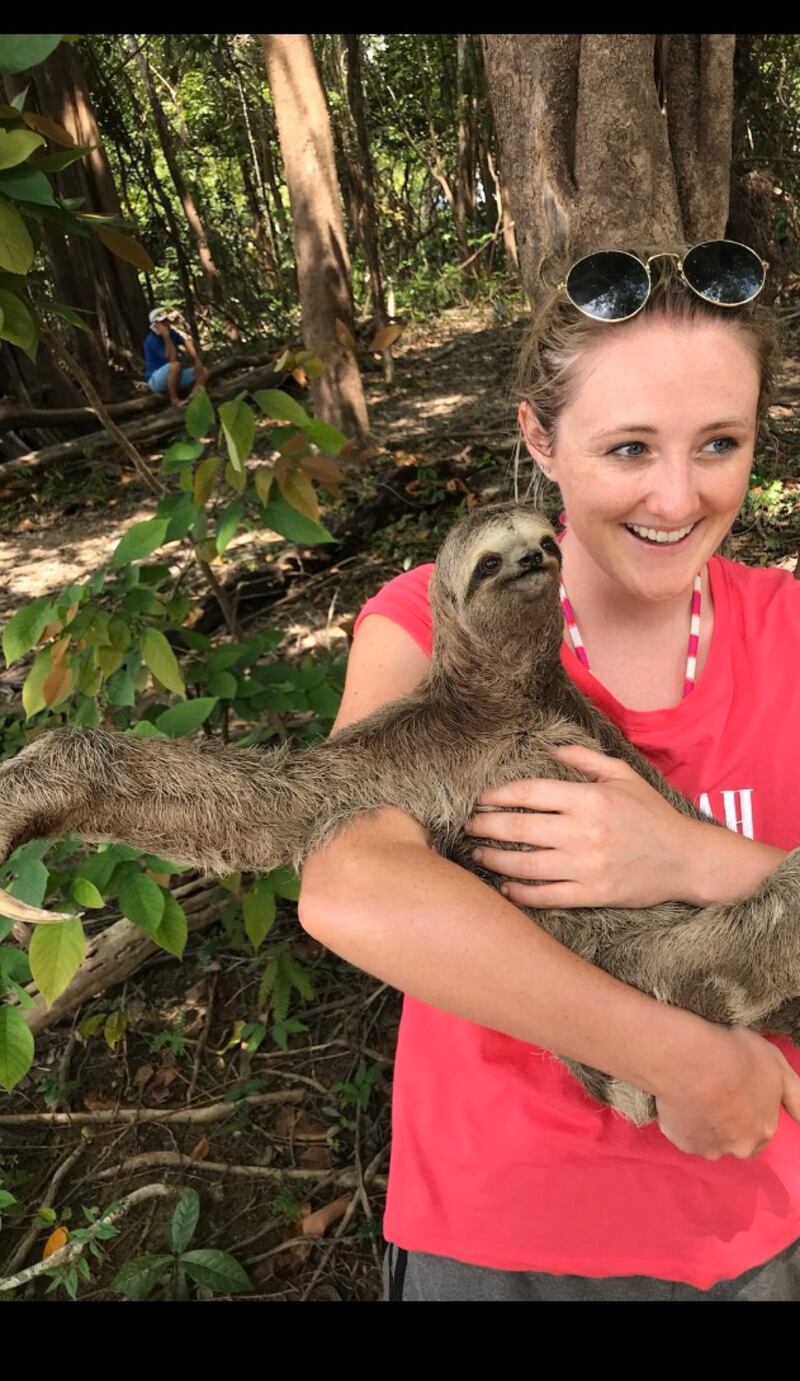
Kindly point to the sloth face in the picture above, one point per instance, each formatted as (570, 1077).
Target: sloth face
(497, 558)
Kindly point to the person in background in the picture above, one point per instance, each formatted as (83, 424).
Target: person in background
(165, 366)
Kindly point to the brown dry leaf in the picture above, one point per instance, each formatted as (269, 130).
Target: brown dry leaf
(307, 1128)
(200, 1151)
(316, 1224)
(158, 1087)
(263, 481)
(297, 489)
(324, 469)
(385, 338)
(284, 1120)
(315, 1157)
(345, 336)
(142, 1076)
(58, 1238)
(95, 1102)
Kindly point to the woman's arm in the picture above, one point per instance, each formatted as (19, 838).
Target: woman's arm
(383, 899)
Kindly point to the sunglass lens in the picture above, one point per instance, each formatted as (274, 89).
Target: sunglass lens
(724, 272)
(608, 286)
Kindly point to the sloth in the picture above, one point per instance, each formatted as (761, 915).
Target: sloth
(493, 705)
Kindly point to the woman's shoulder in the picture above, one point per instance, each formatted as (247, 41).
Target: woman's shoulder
(763, 600)
(404, 599)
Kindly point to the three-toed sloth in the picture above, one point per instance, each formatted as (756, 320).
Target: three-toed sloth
(491, 708)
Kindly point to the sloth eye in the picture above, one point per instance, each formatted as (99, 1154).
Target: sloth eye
(550, 544)
(488, 564)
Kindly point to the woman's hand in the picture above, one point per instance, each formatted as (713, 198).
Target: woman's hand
(611, 841)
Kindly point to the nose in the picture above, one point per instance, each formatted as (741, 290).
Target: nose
(673, 495)
(532, 559)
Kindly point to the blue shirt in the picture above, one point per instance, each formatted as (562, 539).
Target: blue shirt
(155, 350)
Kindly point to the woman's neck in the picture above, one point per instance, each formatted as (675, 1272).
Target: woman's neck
(636, 647)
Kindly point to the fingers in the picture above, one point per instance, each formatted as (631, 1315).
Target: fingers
(538, 829)
(535, 793)
(544, 896)
(594, 763)
(534, 865)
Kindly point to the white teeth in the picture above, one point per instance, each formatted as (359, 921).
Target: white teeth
(654, 535)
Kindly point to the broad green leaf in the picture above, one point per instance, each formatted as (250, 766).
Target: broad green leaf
(174, 929)
(14, 966)
(282, 518)
(138, 1278)
(239, 425)
(32, 877)
(86, 894)
(180, 454)
(223, 684)
(33, 688)
(16, 1046)
(16, 245)
(280, 406)
(56, 953)
(324, 701)
(20, 51)
(69, 314)
(325, 435)
(25, 629)
(297, 490)
(204, 477)
(17, 324)
(161, 660)
(227, 525)
(218, 1271)
(142, 901)
(144, 729)
(26, 184)
(259, 912)
(114, 1028)
(120, 688)
(183, 719)
(184, 1220)
(16, 145)
(199, 415)
(140, 540)
(124, 247)
(55, 162)
(285, 883)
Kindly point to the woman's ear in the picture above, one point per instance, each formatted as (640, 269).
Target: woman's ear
(535, 437)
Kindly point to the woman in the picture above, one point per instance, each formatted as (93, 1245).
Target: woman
(507, 1181)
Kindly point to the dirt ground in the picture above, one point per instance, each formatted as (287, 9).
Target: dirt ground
(292, 1181)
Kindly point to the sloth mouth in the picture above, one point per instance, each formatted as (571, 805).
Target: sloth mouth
(539, 573)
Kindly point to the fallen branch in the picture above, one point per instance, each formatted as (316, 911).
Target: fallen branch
(212, 1112)
(47, 1202)
(164, 1159)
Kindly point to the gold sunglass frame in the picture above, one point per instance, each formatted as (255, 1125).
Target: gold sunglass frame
(645, 264)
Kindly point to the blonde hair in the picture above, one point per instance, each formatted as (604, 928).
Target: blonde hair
(560, 336)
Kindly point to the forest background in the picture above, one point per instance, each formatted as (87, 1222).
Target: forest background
(353, 228)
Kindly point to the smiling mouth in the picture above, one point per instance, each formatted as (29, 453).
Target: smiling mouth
(660, 537)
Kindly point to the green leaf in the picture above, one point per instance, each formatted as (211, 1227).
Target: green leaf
(140, 540)
(199, 415)
(282, 518)
(69, 314)
(183, 719)
(138, 1278)
(55, 162)
(21, 51)
(56, 953)
(86, 894)
(259, 912)
(239, 425)
(161, 660)
(16, 323)
(14, 966)
(180, 454)
(223, 684)
(32, 877)
(16, 1046)
(33, 688)
(327, 437)
(25, 629)
(228, 523)
(27, 184)
(16, 145)
(218, 1271)
(144, 729)
(278, 405)
(174, 929)
(324, 701)
(285, 883)
(142, 901)
(184, 1220)
(16, 245)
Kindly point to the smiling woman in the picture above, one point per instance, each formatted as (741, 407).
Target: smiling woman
(505, 1183)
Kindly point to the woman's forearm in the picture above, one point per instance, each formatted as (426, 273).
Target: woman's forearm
(383, 900)
(725, 866)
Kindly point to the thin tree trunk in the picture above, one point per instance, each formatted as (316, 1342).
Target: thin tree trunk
(323, 263)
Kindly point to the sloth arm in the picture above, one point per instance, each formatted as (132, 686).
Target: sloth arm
(382, 898)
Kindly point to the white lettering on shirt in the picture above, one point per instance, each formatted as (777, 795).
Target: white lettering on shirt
(736, 812)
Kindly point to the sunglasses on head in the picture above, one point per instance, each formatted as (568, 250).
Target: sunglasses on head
(613, 284)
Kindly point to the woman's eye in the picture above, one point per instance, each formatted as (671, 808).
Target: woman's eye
(722, 445)
(628, 450)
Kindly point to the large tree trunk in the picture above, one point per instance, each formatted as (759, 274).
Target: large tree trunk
(611, 140)
(323, 263)
(86, 275)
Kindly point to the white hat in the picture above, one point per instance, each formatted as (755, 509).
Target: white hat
(159, 314)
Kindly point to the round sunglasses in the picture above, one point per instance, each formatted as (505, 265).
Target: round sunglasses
(613, 284)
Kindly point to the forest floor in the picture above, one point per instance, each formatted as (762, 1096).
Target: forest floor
(291, 1167)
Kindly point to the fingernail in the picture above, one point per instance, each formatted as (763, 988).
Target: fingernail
(504, 888)
(477, 854)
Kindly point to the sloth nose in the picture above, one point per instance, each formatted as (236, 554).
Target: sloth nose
(532, 560)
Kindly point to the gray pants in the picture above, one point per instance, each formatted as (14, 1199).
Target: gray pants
(419, 1276)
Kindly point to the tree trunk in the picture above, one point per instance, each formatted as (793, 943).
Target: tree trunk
(210, 270)
(323, 263)
(86, 275)
(611, 141)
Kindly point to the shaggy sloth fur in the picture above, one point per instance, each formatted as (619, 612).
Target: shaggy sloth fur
(494, 703)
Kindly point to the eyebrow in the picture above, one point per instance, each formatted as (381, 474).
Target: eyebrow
(643, 427)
